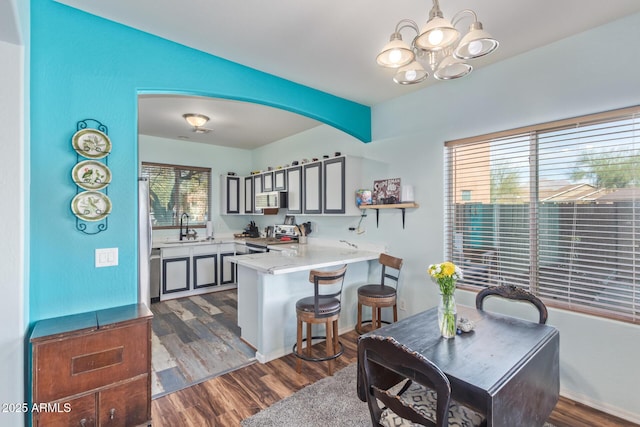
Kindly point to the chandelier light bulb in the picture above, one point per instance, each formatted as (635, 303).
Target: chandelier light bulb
(395, 56)
(475, 47)
(411, 75)
(435, 37)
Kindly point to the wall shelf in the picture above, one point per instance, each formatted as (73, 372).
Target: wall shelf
(401, 206)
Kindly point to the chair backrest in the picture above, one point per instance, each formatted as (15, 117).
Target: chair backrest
(384, 363)
(319, 278)
(388, 261)
(513, 293)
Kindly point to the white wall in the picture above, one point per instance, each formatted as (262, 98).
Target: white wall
(12, 220)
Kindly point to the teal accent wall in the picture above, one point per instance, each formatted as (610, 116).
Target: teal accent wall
(84, 67)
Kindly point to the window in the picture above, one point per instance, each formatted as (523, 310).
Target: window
(555, 210)
(174, 190)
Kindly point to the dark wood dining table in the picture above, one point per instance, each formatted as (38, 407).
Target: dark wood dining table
(506, 368)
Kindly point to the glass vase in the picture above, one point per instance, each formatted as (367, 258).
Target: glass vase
(447, 315)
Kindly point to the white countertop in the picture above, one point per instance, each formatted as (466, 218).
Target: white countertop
(178, 243)
(293, 258)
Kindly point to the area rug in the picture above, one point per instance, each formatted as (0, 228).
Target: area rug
(332, 401)
(195, 339)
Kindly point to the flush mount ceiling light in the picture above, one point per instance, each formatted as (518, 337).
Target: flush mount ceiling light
(437, 47)
(197, 121)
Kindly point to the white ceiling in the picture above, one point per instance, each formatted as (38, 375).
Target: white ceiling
(330, 45)
(232, 123)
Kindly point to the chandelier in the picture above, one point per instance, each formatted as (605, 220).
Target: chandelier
(438, 46)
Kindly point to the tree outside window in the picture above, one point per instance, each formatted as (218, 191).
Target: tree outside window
(174, 190)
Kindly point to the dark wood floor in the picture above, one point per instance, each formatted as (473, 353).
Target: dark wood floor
(230, 398)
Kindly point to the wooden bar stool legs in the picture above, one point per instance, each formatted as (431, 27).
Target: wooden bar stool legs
(376, 304)
(333, 347)
(321, 308)
(378, 296)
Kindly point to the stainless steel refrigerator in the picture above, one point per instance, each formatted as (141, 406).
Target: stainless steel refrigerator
(144, 243)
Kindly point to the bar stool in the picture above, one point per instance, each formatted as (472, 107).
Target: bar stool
(378, 296)
(323, 307)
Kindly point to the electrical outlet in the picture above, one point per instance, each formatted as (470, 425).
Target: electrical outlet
(402, 304)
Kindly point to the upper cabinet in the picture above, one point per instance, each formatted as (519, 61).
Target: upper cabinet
(294, 189)
(267, 181)
(342, 177)
(312, 184)
(280, 180)
(258, 187)
(230, 194)
(334, 191)
(249, 194)
(324, 187)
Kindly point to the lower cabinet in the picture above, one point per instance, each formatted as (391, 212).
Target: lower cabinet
(227, 268)
(93, 369)
(195, 269)
(205, 270)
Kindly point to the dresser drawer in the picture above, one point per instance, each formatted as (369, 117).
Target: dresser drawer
(74, 412)
(125, 405)
(63, 367)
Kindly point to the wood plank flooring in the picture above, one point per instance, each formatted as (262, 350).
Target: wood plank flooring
(230, 398)
(195, 338)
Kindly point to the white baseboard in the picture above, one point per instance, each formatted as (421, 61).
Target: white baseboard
(609, 409)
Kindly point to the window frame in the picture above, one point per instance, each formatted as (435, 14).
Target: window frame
(452, 224)
(187, 168)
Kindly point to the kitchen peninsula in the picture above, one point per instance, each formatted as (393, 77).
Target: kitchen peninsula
(269, 284)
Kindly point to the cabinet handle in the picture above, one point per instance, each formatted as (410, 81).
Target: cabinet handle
(83, 422)
(112, 413)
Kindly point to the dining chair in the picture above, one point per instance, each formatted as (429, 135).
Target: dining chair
(513, 293)
(380, 295)
(410, 388)
(321, 308)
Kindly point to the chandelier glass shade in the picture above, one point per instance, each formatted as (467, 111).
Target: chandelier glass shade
(437, 46)
(395, 53)
(411, 73)
(437, 34)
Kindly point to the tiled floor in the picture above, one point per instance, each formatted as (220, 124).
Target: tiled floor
(194, 339)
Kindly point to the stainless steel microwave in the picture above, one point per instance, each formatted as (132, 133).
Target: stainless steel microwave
(271, 200)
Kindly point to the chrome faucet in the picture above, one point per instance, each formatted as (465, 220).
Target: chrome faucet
(186, 228)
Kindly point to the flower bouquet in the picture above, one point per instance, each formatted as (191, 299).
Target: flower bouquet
(446, 275)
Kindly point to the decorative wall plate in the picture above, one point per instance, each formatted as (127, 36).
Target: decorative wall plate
(91, 143)
(91, 175)
(91, 205)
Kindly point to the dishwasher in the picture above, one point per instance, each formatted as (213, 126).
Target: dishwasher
(154, 273)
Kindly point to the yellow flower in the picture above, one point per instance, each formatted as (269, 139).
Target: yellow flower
(448, 268)
(445, 275)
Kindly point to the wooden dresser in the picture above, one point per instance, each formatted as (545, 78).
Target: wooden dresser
(93, 369)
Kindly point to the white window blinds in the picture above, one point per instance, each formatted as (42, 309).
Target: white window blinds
(553, 208)
(174, 190)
